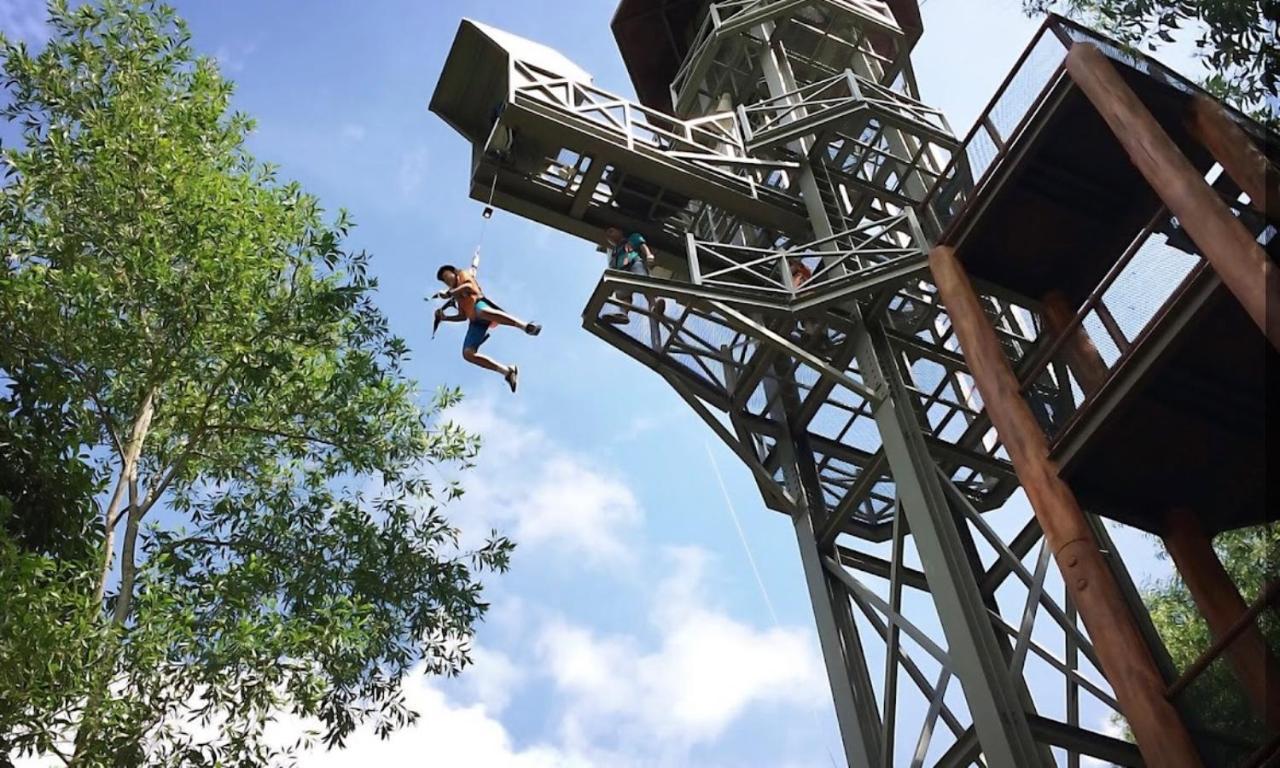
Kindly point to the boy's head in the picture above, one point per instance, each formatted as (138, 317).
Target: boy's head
(613, 235)
(448, 274)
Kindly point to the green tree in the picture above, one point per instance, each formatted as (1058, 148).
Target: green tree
(1235, 39)
(229, 511)
(1251, 556)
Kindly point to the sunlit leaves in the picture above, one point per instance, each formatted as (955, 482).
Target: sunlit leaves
(293, 555)
(1236, 39)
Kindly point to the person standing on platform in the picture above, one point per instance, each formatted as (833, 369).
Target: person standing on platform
(628, 253)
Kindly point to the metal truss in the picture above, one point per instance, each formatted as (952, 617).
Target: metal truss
(825, 35)
(887, 250)
(776, 398)
(889, 597)
(732, 352)
(851, 122)
(946, 636)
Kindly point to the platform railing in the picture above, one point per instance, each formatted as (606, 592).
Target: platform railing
(1019, 99)
(713, 142)
(1153, 277)
(842, 257)
(801, 111)
(1015, 102)
(1051, 381)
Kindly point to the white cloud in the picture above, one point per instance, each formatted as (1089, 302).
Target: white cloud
(232, 57)
(706, 670)
(541, 494)
(413, 171)
(447, 733)
(492, 678)
(353, 132)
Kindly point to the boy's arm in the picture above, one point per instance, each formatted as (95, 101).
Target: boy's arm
(461, 288)
(647, 254)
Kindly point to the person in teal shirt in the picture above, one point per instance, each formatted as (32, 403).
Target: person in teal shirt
(628, 253)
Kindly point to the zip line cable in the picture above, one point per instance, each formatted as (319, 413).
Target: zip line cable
(733, 515)
(742, 536)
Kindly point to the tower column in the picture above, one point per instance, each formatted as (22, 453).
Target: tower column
(1127, 661)
(1237, 153)
(1000, 719)
(1081, 353)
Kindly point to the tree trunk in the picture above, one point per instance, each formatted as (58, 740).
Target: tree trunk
(128, 566)
(129, 479)
(109, 535)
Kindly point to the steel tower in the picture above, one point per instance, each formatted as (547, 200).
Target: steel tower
(792, 133)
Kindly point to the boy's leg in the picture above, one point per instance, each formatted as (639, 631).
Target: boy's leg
(619, 314)
(484, 361)
(491, 315)
(477, 333)
(659, 305)
(509, 372)
(622, 315)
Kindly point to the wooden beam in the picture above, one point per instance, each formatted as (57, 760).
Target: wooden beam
(1221, 605)
(1209, 123)
(1125, 656)
(1225, 243)
(1082, 356)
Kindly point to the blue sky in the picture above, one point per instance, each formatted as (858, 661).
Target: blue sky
(630, 629)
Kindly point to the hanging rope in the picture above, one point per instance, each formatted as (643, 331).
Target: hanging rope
(486, 214)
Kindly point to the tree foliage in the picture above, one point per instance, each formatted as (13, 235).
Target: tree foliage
(218, 506)
(1235, 39)
(1251, 557)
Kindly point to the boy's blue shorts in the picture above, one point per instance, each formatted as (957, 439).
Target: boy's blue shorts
(477, 330)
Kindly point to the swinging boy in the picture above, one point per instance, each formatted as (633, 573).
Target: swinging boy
(481, 314)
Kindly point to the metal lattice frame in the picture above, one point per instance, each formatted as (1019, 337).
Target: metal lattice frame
(845, 397)
(732, 367)
(722, 57)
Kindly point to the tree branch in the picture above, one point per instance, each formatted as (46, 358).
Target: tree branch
(128, 563)
(189, 449)
(129, 475)
(274, 433)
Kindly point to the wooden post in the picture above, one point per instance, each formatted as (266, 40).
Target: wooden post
(1126, 659)
(1082, 356)
(1237, 154)
(1225, 243)
(1221, 606)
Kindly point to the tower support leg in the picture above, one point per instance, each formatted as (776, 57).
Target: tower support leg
(1081, 353)
(994, 697)
(1221, 605)
(1127, 661)
(855, 702)
(1224, 241)
(991, 691)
